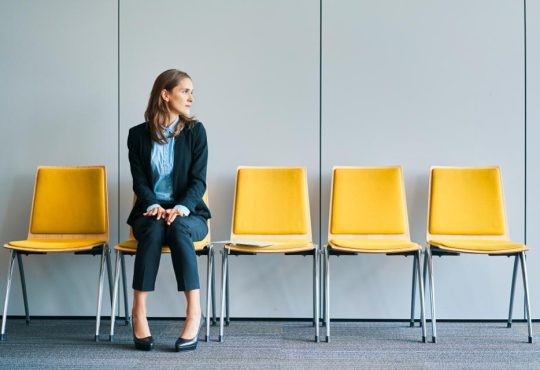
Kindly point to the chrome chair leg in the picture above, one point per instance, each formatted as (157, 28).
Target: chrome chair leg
(115, 293)
(208, 291)
(327, 292)
(525, 317)
(227, 290)
(127, 316)
(413, 290)
(316, 291)
(214, 317)
(109, 274)
(421, 294)
(512, 291)
(322, 307)
(224, 277)
(100, 290)
(23, 284)
(315, 321)
(432, 291)
(527, 300)
(8, 288)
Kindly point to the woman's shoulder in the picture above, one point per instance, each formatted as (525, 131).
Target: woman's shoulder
(197, 128)
(138, 132)
(140, 128)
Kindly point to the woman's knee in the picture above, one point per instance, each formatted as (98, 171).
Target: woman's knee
(149, 228)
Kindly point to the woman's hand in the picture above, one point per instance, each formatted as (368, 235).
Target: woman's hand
(158, 213)
(172, 214)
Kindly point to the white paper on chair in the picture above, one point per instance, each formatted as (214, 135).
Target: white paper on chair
(246, 243)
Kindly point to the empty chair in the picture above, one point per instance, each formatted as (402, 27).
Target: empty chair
(368, 215)
(69, 214)
(466, 215)
(271, 215)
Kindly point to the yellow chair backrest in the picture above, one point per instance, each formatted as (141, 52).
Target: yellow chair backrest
(70, 200)
(271, 201)
(368, 201)
(466, 201)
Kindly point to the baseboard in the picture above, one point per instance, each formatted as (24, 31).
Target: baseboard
(296, 319)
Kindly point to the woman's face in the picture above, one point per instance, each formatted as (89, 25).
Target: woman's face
(179, 99)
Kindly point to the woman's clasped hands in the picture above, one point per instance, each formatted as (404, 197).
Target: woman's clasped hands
(168, 215)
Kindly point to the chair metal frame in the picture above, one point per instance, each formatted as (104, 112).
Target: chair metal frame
(315, 252)
(329, 250)
(431, 251)
(102, 249)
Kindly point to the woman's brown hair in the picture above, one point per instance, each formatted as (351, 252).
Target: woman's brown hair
(157, 112)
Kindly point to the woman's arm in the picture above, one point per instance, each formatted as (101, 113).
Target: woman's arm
(140, 183)
(197, 171)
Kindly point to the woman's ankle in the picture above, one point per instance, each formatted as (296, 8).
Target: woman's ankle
(193, 314)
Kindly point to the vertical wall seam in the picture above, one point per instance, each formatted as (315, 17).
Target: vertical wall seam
(320, 123)
(525, 113)
(118, 118)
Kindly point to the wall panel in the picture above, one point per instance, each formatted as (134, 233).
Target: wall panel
(255, 72)
(533, 154)
(59, 107)
(420, 84)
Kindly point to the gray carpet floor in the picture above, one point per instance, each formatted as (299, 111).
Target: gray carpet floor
(69, 344)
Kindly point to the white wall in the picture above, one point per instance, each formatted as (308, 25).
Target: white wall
(533, 152)
(255, 72)
(421, 84)
(58, 99)
(426, 83)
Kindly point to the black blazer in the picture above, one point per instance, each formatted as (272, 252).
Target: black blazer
(189, 169)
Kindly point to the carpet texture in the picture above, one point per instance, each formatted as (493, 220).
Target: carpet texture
(69, 344)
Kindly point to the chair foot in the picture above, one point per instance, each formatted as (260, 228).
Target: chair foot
(206, 338)
(411, 324)
(214, 322)
(96, 338)
(3, 337)
(423, 339)
(327, 339)
(127, 321)
(227, 322)
(220, 339)
(28, 322)
(111, 338)
(530, 340)
(434, 340)
(509, 325)
(316, 339)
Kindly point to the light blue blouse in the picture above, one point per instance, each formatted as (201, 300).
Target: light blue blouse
(162, 162)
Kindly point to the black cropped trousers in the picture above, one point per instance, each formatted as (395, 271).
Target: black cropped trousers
(152, 235)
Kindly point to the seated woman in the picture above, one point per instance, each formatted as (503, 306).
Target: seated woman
(168, 156)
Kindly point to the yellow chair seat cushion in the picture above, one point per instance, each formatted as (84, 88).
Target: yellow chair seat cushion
(278, 246)
(363, 245)
(130, 246)
(54, 245)
(482, 246)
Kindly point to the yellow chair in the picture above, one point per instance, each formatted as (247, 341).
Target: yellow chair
(271, 215)
(466, 215)
(368, 214)
(129, 247)
(69, 214)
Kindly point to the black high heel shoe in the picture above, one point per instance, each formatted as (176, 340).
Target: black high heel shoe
(189, 344)
(143, 344)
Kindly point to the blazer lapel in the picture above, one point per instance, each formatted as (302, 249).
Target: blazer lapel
(147, 153)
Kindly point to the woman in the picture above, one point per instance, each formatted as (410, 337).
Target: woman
(168, 156)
